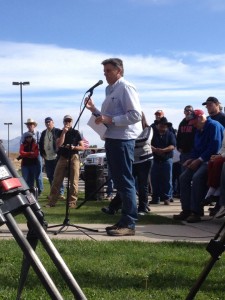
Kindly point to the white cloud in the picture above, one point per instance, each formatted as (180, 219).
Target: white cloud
(59, 78)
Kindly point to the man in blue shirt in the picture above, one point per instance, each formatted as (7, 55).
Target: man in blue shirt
(193, 181)
(121, 112)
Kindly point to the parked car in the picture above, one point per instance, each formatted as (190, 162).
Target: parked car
(98, 158)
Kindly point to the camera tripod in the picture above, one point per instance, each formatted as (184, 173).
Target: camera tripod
(215, 247)
(15, 198)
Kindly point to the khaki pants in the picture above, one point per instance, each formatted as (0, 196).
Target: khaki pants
(61, 171)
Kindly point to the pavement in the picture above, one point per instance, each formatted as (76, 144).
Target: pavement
(201, 232)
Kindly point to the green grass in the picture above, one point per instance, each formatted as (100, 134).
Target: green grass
(115, 270)
(118, 270)
(89, 212)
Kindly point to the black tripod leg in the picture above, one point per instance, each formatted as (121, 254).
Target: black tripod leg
(33, 258)
(215, 248)
(24, 270)
(54, 255)
(33, 241)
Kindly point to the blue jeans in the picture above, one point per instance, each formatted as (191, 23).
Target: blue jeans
(193, 188)
(28, 173)
(50, 169)
(109, 189)
(161, 179)
(141, 174)
(183, 158)
(38, 176)
(120, 156)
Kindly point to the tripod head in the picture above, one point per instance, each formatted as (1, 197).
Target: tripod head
(14, 192)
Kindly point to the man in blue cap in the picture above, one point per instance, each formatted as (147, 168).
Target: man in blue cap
(48, 151)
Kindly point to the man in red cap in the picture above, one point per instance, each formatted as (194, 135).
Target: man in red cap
(193, 181)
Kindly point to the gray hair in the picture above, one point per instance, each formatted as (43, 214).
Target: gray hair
(116, 62)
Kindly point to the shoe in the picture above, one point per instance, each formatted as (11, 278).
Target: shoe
(167, 202)
(213, 211)
(61, 197)
(143, 212)
(72, 205)
(176, 196)
(154, 202)
(171, 200)
(193, 218)
(121, 231)
(183, 215)
(209, 200)
(220, 213)
(112, 227)
(109, 197)
(108, 211)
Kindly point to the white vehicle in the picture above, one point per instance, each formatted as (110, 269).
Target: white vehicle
(95, 159)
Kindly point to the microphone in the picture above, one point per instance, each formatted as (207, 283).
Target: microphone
(94, 86)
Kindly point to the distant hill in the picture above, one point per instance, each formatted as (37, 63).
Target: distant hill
(14, 145)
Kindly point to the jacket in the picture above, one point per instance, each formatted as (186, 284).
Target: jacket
(185, 136)
(29, 153)
(55, 133)
(208, 141)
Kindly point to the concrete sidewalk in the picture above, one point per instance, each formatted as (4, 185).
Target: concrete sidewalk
(195, 232)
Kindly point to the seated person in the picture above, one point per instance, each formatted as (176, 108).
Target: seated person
(214, 171)
(193, 187)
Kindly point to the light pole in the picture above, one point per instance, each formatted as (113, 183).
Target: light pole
(8, 135)
(21, 100)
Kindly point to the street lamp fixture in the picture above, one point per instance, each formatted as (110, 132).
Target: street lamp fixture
(8, 135)
(21, 99)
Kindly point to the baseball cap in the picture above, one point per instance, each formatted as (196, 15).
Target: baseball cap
(211, 99)
(28, 134)
(48, 119)
(67, 117)
(194, 115)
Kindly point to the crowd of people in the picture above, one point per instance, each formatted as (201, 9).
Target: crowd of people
(142, 159)
(59, 149)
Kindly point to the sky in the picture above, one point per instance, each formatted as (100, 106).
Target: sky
(173, 52)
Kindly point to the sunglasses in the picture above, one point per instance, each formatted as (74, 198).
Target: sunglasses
(67, 120)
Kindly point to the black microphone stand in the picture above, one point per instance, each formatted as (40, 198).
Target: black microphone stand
(66, 222)
(215, 247)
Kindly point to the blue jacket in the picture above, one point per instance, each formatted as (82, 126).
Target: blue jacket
(208, 141)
